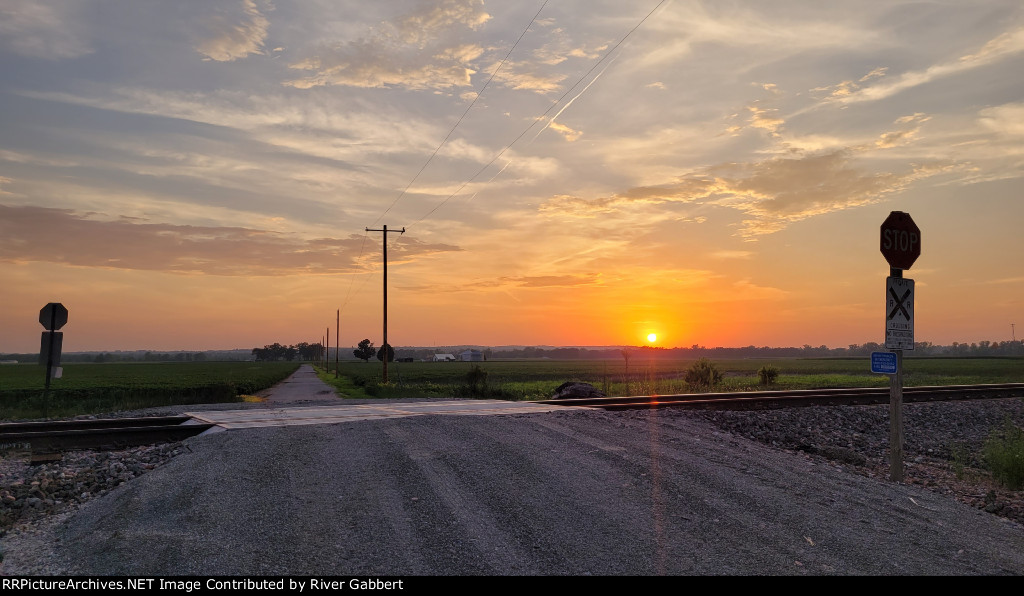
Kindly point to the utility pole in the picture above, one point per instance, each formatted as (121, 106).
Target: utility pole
(337, 341)
(385, 346)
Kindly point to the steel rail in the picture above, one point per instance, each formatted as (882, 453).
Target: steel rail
(799, 397)
(109, 433)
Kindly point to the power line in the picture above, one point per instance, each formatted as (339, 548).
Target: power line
(352, 282)
(461, 118)
(542, 116)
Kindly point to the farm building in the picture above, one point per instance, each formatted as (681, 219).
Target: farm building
(472, 356)
(445, 358)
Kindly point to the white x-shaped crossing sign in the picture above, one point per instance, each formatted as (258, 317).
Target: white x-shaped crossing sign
(899, 313)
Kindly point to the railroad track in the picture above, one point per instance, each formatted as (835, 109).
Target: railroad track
(47, 439)
(796, 398)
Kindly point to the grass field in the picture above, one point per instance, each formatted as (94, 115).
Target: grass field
(110, 387)
(530, 380)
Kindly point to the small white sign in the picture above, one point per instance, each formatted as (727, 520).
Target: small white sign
(899, 313)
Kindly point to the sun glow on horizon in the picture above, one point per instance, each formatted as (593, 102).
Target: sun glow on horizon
(652, 337)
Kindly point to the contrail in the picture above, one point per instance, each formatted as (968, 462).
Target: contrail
(569, 103)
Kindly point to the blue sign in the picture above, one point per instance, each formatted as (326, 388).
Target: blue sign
(883, 362)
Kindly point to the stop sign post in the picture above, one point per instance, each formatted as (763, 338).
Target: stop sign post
(900, 243)
(52, 317)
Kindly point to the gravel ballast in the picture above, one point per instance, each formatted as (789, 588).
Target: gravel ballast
(789, 491)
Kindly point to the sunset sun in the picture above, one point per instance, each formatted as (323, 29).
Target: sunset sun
(652, 337)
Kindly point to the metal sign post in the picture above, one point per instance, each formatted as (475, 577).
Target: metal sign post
(53, 316)
(900, 244)
(897, 345)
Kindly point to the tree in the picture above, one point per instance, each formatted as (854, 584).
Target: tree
(365, 350)
(390, 351)
(275, 352)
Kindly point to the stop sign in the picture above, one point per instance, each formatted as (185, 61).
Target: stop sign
(53, 316)
(901, 240)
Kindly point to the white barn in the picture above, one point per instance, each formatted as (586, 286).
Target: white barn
(445, 358)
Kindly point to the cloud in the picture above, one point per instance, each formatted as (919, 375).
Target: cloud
(234, 33)
(419, 26)
(1003, 46)
(552, 281)
(49, 29)
(559, 49)
(569, 133)
(412, 52)
(748, 290)
(1007, 119)
(63, 236)
(773, 193)
(304, 124)
(732, 254)
(765, 119)
(371, 64)
(507, 283)
(523, 76)
(764, 27)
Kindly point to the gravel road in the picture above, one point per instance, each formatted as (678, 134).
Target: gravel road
(573, 492)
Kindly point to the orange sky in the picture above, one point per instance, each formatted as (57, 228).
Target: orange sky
(203, 179)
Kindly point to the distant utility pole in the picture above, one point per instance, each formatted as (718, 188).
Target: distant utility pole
(385, 346)
(337, 341)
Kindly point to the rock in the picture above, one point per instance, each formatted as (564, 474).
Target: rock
(576, 390)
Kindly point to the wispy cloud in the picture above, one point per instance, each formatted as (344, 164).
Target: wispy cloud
(1007, 119)
(233, 32)
(774, 192)
(66, 237)
(49, 29)
(1002, 47)
(411, 52)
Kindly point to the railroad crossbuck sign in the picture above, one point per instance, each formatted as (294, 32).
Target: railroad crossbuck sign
(901, 240)
(899, 313)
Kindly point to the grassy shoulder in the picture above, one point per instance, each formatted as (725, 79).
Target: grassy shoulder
(343, 386)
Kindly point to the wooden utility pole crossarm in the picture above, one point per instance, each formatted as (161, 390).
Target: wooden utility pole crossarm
(385, 346)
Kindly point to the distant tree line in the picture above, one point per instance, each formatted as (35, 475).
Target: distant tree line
(277, 352)
(119, 357)
(307, 351)
(979, 349)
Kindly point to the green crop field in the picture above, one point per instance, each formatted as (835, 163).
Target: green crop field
(109, 387)
(537, 379)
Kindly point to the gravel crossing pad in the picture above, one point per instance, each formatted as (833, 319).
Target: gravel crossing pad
(574, 492)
